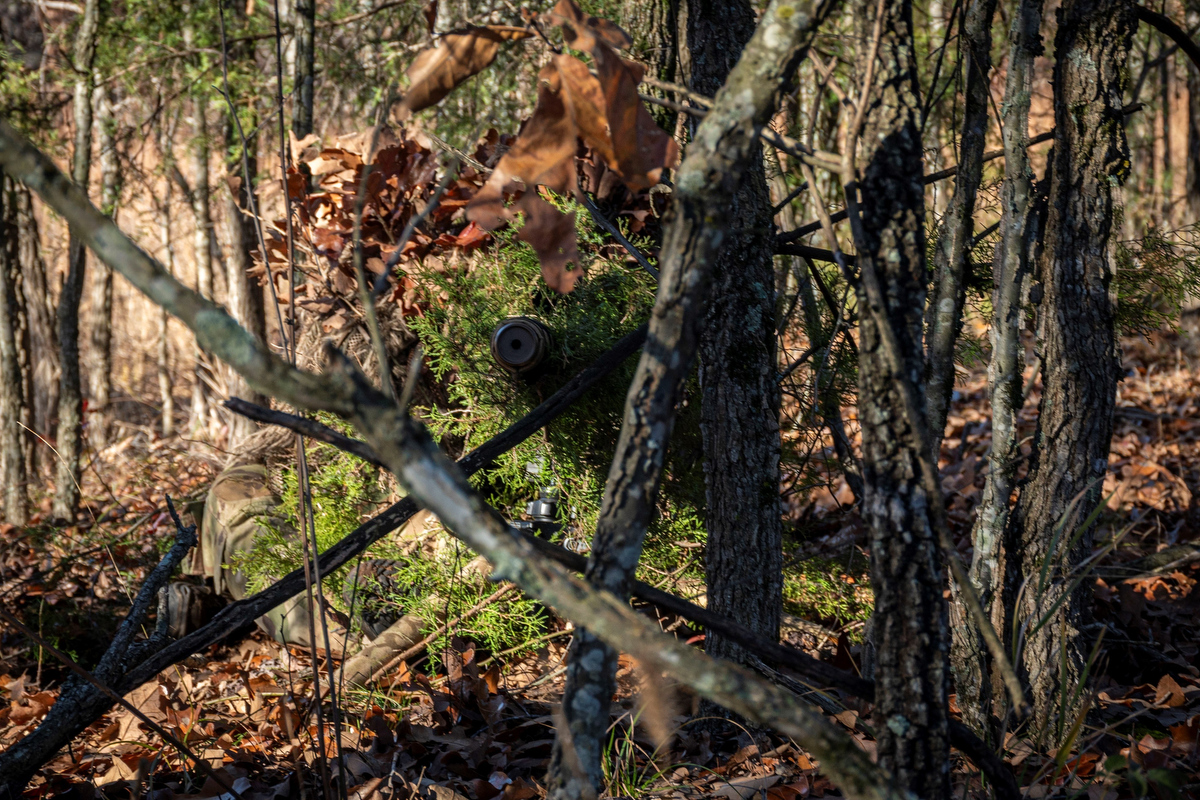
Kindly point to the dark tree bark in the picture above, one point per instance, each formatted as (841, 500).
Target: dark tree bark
(654, 26)
(1193, 127)
(970, 659)
(952, 256)
(910, 627)
(199, 197)
(1191, 311)
(43, 333)
(100, 333)
(306, 20)
(14, 339)
(726, 145)
(1166, 175)
(246, 301)
(1078, 349)
(740, 397)
(70, 396)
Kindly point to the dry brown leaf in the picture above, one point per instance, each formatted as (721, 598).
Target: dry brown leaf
(582, 32)
(551, 234)
(123, 768)
(544, 154)
(1169, 693)
(642, 148)
(435, 72)
(585, 103)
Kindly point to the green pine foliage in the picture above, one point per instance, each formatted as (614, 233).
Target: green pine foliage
(573, 453)
(433, 582)
(1154, 277)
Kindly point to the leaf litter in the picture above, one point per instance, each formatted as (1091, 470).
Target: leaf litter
(481, 727)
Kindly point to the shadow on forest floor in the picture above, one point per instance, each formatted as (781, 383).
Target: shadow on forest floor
(481, 727)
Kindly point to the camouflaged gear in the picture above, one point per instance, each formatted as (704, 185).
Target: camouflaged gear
(239, 508)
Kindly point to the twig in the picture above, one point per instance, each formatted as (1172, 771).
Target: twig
(792, 195)
(683, 91)
(440, 631)
(614, 231)
(796, 364)
(302, 425)
(1167, 26)
(463, 157)
(777, 140)
(284, 163)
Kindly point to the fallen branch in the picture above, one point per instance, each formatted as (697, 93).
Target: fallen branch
(431, 478)
(815, 673)
(79, 700)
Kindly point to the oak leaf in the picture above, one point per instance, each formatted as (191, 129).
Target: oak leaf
(435, 72)
(581, 31)
(551, 234)
(642, 149)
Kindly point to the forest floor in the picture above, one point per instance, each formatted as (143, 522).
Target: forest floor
(480, 728)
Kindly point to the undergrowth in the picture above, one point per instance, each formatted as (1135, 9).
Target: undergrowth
(574, 451)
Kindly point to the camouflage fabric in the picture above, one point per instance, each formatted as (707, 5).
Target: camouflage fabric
(239, 506)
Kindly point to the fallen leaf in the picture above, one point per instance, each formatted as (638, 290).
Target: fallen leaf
(1169, 693)
(789, 791)
(746, 788)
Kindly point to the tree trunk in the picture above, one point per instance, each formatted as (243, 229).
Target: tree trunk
(909, 626)
(969, 658)
(245, 294)
(14, 339)
(70, 396)
(200, 411)
(654, 27)
(1193, 126)
(1080, 360)
(725, 147)
(1167, 173)
(740, 398)
(43, 333)
(952, 256)
(100, 368)
(302, 114)
(163, 354)
(1191, 309)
